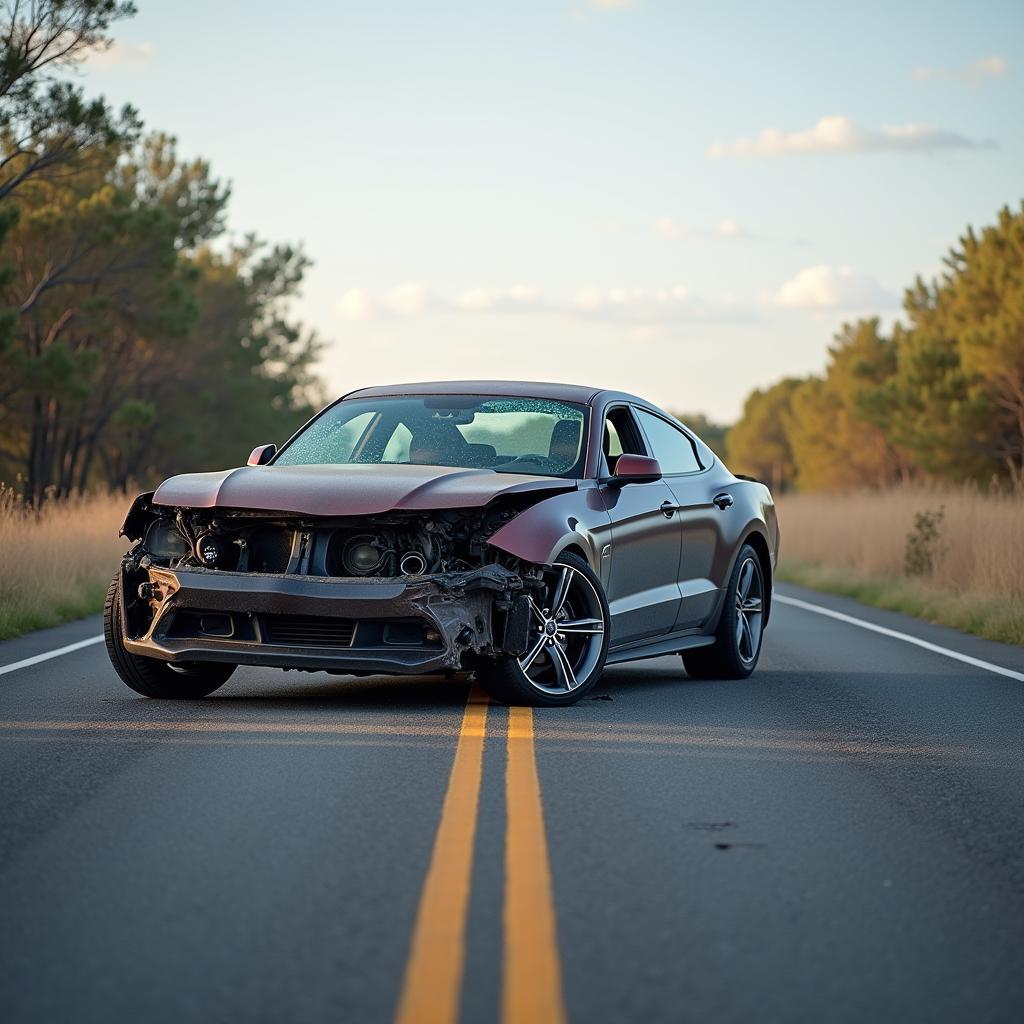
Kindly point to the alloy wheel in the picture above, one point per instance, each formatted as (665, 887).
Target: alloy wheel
(566, 632)
(749, 610)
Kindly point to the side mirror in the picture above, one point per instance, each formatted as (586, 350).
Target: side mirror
(636, 469)
(262, 454)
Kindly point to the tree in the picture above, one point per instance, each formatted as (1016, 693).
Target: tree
(46, 123)
(241, 375)
(137, 341)
(139, 346)
(837, 425)
(938, 414)
(941, 397)
(759, 444)
(97, 269)
(980, 304)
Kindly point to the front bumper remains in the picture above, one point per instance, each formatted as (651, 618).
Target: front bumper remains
(427, 624)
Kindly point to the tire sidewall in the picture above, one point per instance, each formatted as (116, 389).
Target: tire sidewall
(727, 624)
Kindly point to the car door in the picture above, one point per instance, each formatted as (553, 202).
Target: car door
(642, 588)
(698, 516)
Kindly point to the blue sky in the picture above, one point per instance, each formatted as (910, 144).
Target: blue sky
(684, 200)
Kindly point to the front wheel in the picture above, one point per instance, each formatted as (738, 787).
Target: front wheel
(738, 637)
(568, 641)
(148, 676)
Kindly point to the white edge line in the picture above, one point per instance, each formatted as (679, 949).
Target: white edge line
(14, 666)
(905, 637)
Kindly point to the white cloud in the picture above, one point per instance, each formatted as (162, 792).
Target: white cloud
(641, 306)
(409, 298)
(838, 134)
(672, 229)
(491, 300)
(613, 5)
(356, 304)
(668, 228)
(121, 55)
(823, 287)
(972, 74)
(632, 306)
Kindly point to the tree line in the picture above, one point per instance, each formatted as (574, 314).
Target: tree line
(939, 396)
(137, 335)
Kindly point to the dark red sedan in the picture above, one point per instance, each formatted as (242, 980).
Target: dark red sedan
(530, 533)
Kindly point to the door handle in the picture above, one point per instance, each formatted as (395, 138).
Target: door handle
(667, 508)
(723, 500)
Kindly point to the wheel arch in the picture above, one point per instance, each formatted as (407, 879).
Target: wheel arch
(575, 549)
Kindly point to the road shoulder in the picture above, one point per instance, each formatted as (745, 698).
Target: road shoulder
(1005, 655)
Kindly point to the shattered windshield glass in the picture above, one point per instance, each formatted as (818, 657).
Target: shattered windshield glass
(508, 435)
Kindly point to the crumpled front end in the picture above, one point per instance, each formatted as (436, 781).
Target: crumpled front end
(399, 595)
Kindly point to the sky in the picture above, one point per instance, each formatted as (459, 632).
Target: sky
(681, 200)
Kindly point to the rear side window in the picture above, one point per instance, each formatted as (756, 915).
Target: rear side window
(670, 446)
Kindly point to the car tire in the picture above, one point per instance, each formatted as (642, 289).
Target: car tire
(564, 662)
(740, 629)
(149, 676)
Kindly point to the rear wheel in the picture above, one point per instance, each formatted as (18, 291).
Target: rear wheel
(738, 637)
(568, 641)
(148, 676)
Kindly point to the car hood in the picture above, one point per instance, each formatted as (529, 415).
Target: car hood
(352, 490)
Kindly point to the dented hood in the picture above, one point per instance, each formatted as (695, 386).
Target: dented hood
(351, 490)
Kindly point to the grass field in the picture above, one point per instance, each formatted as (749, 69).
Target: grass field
(970, 575)
(56, 564)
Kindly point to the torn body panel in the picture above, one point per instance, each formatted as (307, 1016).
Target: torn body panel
(380, 625)
(375, 594)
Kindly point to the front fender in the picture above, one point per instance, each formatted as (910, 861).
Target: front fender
(541, 532)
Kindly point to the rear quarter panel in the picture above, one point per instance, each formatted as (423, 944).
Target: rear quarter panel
(752, 515)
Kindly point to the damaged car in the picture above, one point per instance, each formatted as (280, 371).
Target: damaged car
(529, 533)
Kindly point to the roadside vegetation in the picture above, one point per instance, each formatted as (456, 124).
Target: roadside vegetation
(951, 555)
(899, 471)
(56, 561)
(138, 336)
(938, 397)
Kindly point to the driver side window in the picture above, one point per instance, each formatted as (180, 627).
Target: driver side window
(621, 437)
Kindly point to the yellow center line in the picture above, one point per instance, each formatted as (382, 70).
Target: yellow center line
(532, 983)
(433, 974)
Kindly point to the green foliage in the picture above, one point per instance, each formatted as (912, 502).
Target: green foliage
(941, 397)
(138, 341)
(922, 542)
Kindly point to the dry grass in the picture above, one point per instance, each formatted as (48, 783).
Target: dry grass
(55, 564)
(856, 544)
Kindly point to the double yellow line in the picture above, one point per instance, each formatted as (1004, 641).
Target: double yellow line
(532, 978)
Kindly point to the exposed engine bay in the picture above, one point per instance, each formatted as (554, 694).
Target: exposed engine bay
(426, 585)
(399, 544)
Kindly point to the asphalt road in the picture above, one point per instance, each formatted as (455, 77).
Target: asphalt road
(838, 838)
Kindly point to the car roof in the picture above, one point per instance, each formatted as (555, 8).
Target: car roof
(579, 393)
